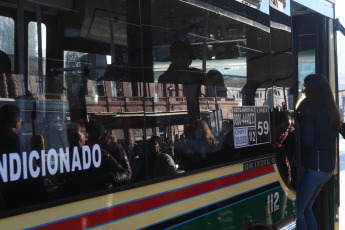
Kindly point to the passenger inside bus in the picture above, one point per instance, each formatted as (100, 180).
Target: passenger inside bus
(108, 175)
(226, 143)
(106, 141)
(160, 163)
(16, 193)
(226, 128)
(114, 173)
(199, 147)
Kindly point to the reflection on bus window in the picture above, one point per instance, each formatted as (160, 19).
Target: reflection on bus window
(37, 57)
(7, 38)
(160, 86)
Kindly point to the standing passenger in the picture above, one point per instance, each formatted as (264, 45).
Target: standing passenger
(320, 122)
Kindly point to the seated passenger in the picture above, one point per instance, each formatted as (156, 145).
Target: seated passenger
(222, 134)
(109, 174)
(160, 164)
(22, 192)
(110, 167)
(106, 142)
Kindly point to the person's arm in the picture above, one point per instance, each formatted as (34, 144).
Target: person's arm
(307, 131)
(118, 174)
(168, 165)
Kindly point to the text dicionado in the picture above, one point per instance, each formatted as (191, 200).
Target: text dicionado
(14, 166)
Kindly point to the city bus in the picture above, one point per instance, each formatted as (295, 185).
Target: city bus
(216, 81)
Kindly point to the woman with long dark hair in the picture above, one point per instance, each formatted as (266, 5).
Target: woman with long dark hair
(320, 123)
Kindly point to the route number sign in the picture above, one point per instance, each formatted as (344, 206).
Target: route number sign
(251, 125)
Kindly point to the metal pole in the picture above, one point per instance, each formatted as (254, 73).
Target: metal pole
(20, 42)
(39, 46)
(111, 25)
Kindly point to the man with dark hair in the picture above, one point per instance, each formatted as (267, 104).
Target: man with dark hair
(10, 123)
(22, 192)
(179, 72)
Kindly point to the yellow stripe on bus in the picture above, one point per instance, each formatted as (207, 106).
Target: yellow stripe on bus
(147, 218)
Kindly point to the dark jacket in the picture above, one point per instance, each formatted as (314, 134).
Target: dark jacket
(187, 76)
(108, 175)
(318, 140)
(116, 151)
(23, 192)
(163, 165)
(9, 141)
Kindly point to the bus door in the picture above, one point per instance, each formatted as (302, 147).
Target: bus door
(314, 52)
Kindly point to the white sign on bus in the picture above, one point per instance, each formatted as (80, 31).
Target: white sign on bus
(14, 166)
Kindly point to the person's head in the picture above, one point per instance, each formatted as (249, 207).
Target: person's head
(181, 54)
(5, 63)
(225, 126)
(318, 94)
(155, 145)
(189, 133)
(95, 131)
(78, 136)
(215, 78)
(10, 117)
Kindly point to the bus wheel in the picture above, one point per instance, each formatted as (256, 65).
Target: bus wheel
(257, 225)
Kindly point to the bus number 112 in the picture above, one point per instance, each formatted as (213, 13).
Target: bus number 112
(272, 203)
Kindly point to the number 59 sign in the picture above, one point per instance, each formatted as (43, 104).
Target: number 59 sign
(251, 125)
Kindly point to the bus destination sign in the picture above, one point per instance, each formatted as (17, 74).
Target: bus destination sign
(251, 125)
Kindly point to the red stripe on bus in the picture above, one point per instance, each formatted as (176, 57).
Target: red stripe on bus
(128, 209)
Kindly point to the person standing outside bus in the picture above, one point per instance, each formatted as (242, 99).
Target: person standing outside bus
(180, 72)
(319, 121)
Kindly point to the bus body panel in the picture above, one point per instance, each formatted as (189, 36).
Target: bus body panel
(180, 203)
